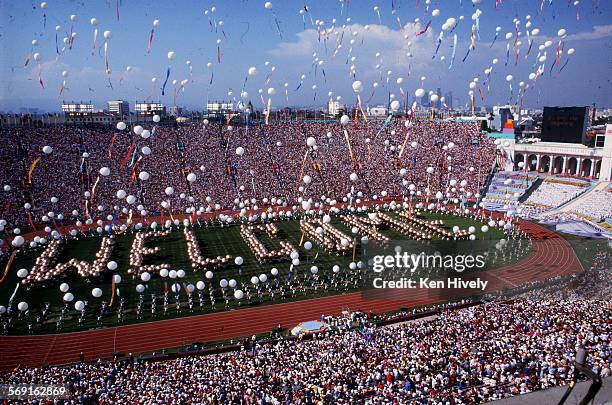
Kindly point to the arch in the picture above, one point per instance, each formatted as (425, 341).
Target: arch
(518, 158)
(530, 158)
(557, 164)
(597, 169)
(544, 163)
(585, 170)
(571, 166)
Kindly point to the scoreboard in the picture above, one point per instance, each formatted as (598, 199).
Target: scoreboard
(564, 124)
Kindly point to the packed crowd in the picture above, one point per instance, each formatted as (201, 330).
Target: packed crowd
(551, 195)
(67, 183)
(472, 355)
(596, 205)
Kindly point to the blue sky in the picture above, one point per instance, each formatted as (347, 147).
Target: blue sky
(250, 37)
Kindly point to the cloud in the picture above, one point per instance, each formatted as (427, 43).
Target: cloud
(392, 46)
(598, 32)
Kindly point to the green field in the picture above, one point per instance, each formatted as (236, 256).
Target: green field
(214, 240)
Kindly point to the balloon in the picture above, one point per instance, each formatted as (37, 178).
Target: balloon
(239, 260)
(21, 273)
(145, 277)
(105, 171)
(240, 151)
(562, 32)
(209, 275)
(274, 271)
(311, 141)
(47, 149)
(155, 23)
(571, 51)
(191, 177)
(238, 294)
(156, 118)
(163, 273)
(44, 5)
(140, 288)
(64, 287)
(535, 31)
(357, 86)
(223, 283)
(252, 71)
(180, 273)
(344, 120)
(509, 78)
(171, 55)
(353, 177)
(18, 241)
(22, 306)
(232, 283)
(263, 278)
(307, 245)
(434, 98)
(117, 278)
(419, 93)
(395, 105)
(169, 191)
(268, 5)
(271, 91)
(435, 13)
(121, 194)
(96, 292)
(79, 305)
(143, 176)
(307, 179)
(255, 280)
(200, 285)
(108, 34)
(68, 297)
(121, 125)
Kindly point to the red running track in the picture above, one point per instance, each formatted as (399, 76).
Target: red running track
(552, 256)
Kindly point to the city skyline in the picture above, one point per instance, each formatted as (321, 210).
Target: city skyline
(251, 35)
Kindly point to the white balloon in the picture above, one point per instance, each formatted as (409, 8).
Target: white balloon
(96, 292)
(171, 55)
(238, 294)
(344, 120)
(268, 5)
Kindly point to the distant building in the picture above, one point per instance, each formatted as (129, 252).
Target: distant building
(102, 118)
(334, 107)
(144, 108)
(503, 113)
(448, 97)
(176, 111)
(119, 107)
(377, 111)
(219, 107)
(73, 108)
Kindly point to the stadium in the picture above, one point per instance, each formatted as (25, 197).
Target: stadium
(393, 246)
